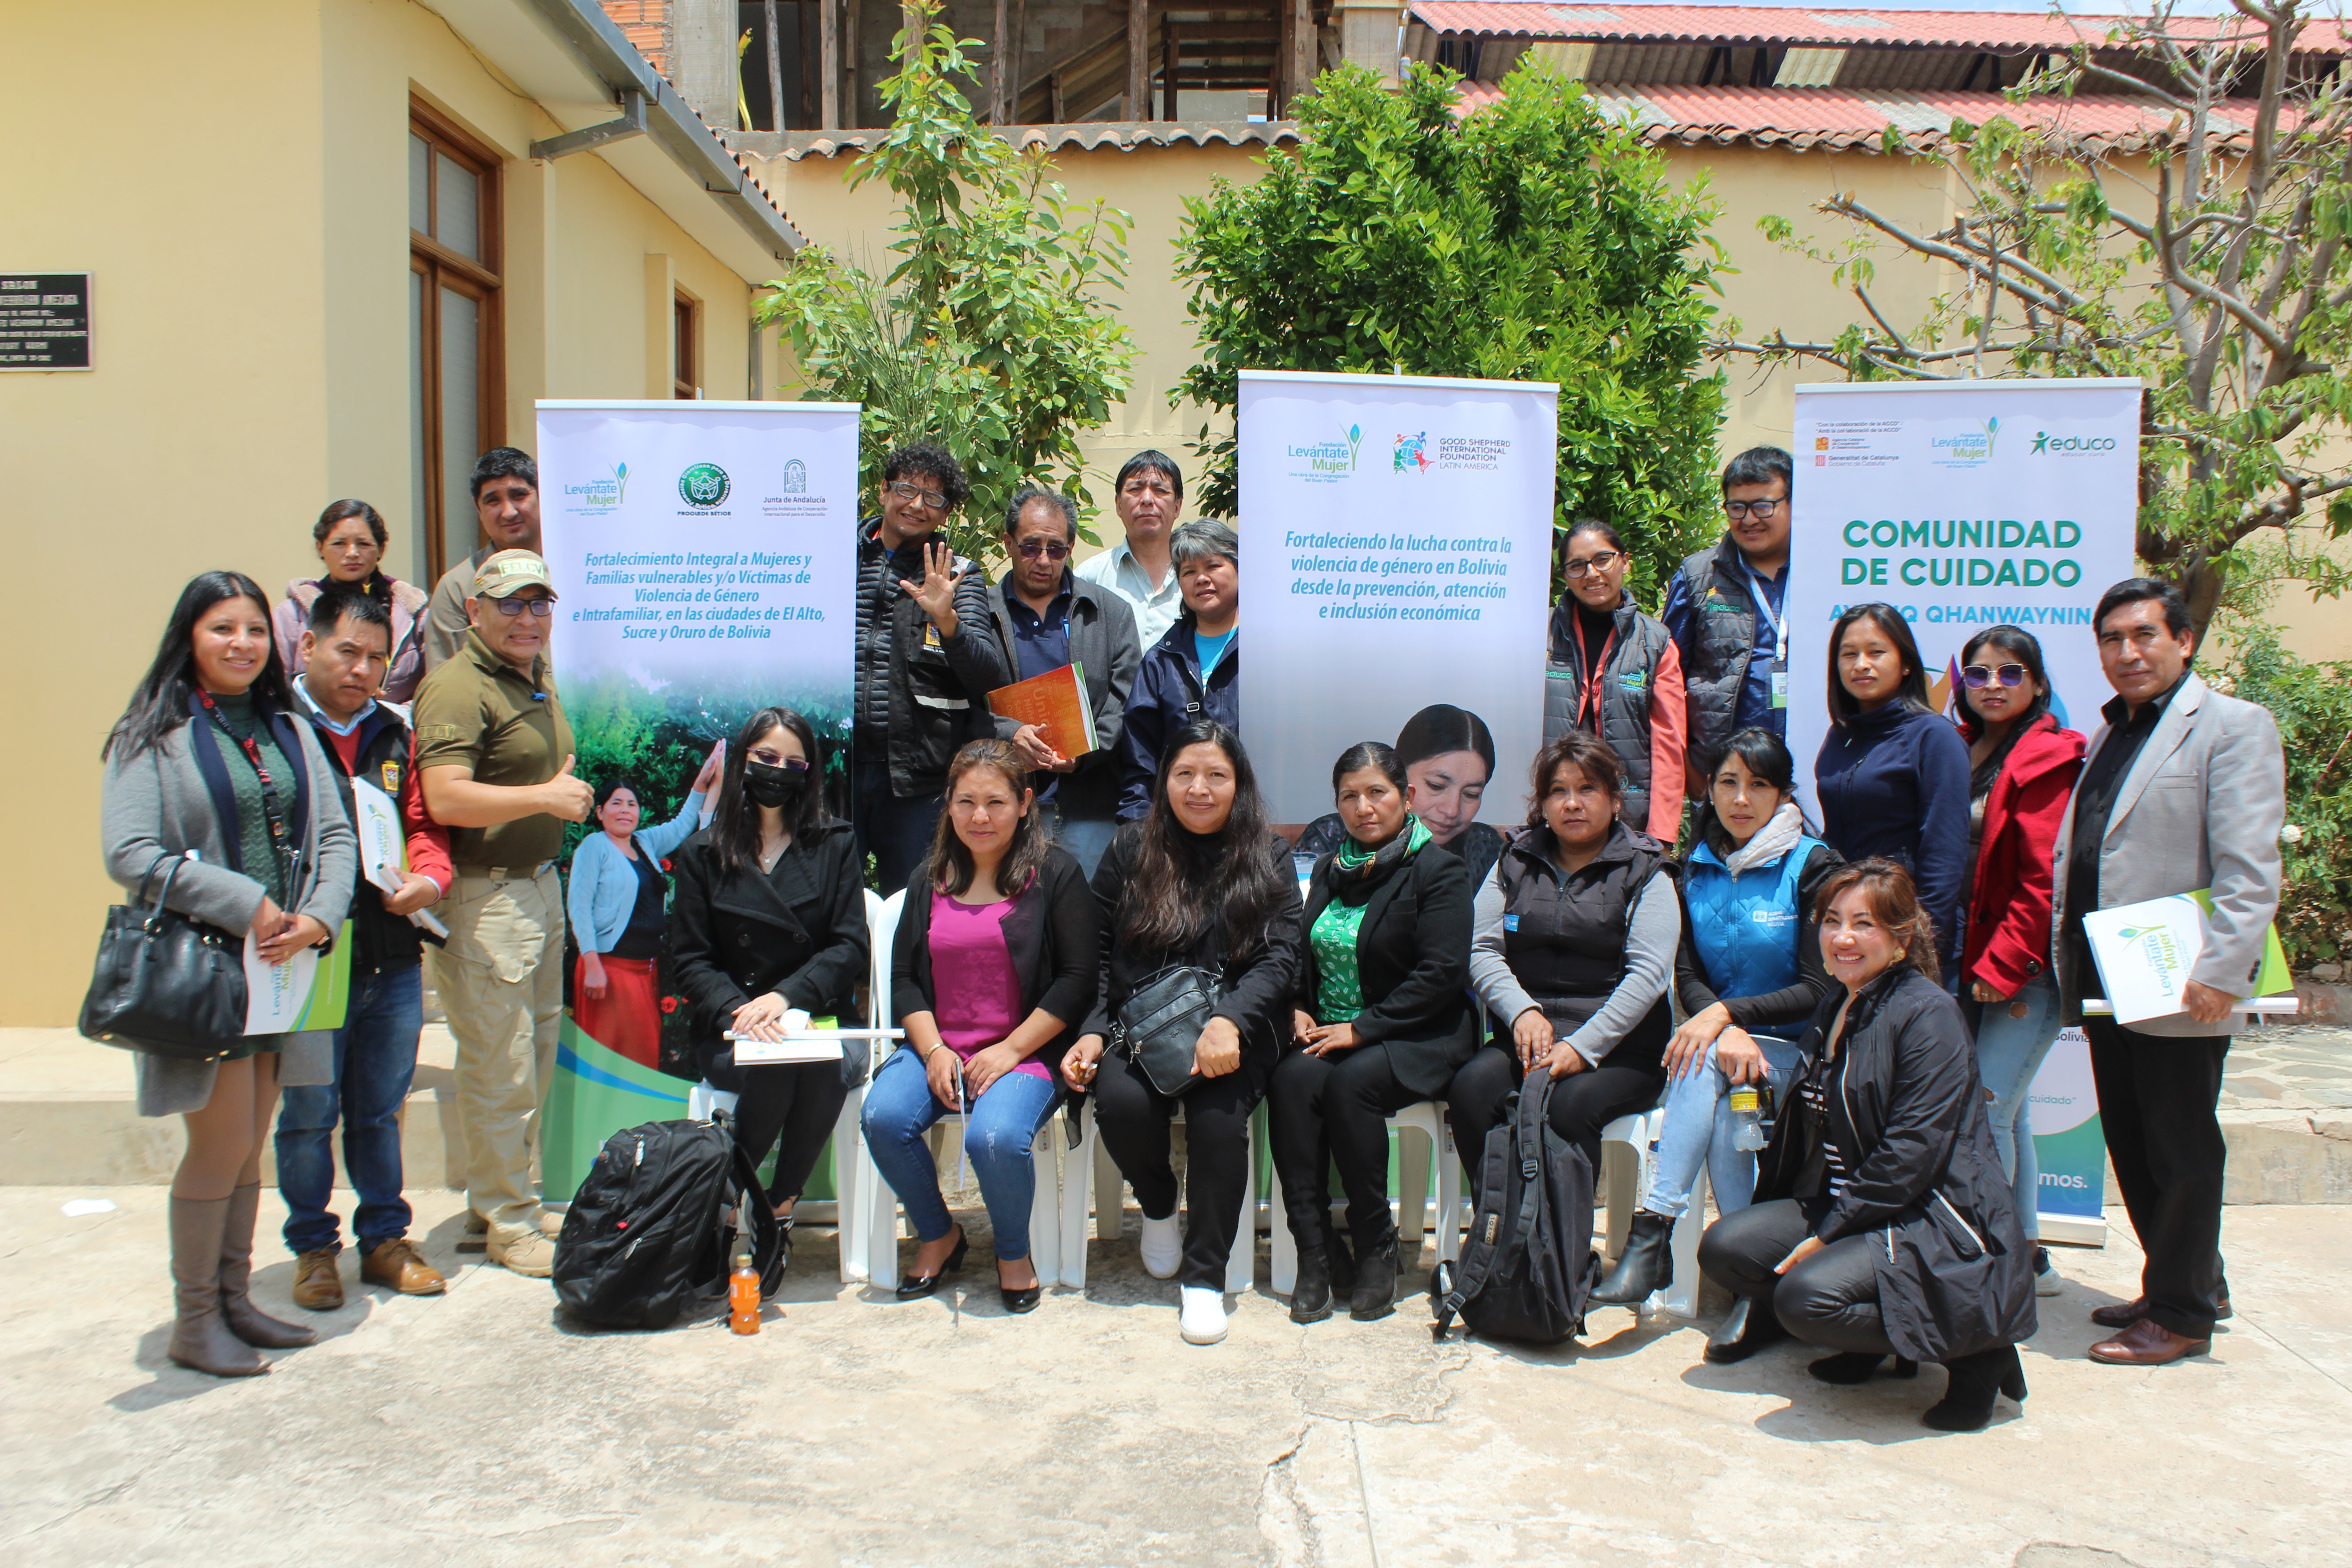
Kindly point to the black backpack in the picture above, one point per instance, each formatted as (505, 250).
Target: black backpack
(1530, 1263)
(652, 1226)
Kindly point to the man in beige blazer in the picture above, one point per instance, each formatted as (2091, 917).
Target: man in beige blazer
(2182, 789)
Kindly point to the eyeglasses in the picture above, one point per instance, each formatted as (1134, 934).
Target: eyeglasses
(1051, 549)
(919, 496)
(790, 764)
(1598, 563)
(1759, 510)
(1977, 676)
(510, 608)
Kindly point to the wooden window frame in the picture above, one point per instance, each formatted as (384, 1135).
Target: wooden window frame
(483, 281)
(686, 346)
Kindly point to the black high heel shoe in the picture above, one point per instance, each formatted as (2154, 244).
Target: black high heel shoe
(1021, 1299)
(1967, 1399)
(1850, 1367)
(916, 1286)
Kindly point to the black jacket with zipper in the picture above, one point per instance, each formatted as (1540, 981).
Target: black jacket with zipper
(938, 686)
(1906, 1113)
(1053, 935)
(1103, 646)
(1413, 967)
(798, 930)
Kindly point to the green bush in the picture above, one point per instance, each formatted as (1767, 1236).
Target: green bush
(2313, 705)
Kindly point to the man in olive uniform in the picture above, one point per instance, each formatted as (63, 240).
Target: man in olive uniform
(494, 757)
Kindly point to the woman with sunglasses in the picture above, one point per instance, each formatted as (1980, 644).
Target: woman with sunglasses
(1614, 672)
(2022, 766)
(769, 919)
(1893, 772)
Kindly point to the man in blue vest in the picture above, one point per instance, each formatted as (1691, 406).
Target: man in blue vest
(1726, 609)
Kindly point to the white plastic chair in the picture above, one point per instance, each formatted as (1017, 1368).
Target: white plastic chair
(1103, 1192)
(869, 1229)
(1628, 1162)
(1413, 1163)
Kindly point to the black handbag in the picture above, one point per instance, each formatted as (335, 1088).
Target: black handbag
(1160, 1023)
(164, 984)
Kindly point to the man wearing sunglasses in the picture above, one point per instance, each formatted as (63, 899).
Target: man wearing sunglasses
(494, 757)
(1725, 611)
(1045, 617)
(926, 662)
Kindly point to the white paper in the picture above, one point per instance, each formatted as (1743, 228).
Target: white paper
(2146, 954)
(384, 855)
(276, 993)
(792, 1048)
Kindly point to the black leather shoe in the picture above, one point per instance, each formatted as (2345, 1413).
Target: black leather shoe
(1967, 1399)
(1310, 1294)
(1374, 1295)
(915, 1286)
(1647, 1264)
(1743, 1332)
(1850, 1367)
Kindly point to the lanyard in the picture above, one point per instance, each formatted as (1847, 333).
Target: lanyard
(252, 750)
(1776, 619)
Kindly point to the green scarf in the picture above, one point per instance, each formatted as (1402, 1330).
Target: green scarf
(1356, 870)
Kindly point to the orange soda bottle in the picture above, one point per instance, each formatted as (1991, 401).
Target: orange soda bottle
(743, 1296)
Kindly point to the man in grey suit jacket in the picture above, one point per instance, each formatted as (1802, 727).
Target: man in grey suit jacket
(2182, 789)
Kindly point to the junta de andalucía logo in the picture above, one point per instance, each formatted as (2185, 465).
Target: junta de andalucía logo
(703, 485)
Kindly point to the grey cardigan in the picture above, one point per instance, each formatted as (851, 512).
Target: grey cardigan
(158, 803)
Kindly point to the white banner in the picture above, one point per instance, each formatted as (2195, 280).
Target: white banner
(1970, 504)
(1396, 552)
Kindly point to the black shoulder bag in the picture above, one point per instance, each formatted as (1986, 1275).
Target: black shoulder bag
(1160, 1022)
(164, 984)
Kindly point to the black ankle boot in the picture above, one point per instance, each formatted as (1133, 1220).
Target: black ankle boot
(1850, 1367)
(1310, 1294)
(1343, 1262)
(1375, 1292)
(1967, 1399)
(1743, 1332)
(1647, 1264)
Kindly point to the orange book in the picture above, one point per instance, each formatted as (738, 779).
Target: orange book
(1056, 703)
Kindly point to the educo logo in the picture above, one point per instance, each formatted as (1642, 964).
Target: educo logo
(2048, 444)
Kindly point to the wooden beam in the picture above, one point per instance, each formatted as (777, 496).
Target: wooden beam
(1167, 69)
(775, 68)
(1139, 59)
(996, 66)
(828, 34)
(1302, 52)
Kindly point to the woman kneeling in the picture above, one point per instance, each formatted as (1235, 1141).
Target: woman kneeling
(1883, 1225)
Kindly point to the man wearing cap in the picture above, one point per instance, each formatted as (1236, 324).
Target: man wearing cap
(494, 757)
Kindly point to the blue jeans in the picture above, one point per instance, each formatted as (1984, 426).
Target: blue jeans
(896, 830)
(2009, 1053)
(900, 1107)
(376, 1062)
(1084, 838)
(1699, 1129)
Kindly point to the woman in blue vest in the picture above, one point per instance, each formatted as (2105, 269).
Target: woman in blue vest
(1749, 973)
(1614, 672)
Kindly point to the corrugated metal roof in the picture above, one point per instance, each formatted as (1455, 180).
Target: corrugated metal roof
(1722, 24)
(793, 145)
(1846, 118)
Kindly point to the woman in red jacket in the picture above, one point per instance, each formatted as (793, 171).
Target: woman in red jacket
(2022, 770)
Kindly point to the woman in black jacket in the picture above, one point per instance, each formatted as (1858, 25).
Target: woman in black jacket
(767, 920)
(1200, 881)
(1382, 1019)
(993, 971)
(1883, 1224)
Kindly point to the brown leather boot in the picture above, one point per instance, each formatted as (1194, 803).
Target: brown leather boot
(200, 1338)
(396, 1265)
(318, 1283)
(245, 1320)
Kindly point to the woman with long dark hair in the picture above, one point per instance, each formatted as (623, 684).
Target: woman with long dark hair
(994, 969)
(768, 920)
(1380, 1021)
(212, 776)
(1893, 772)
(349, 537)
(1614, 672)
(1200, 880)
(2022, 766)
(1882, 1224)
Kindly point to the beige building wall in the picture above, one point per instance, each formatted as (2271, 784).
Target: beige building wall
(251, 346)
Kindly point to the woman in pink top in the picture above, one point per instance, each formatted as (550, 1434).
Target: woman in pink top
(994, 969)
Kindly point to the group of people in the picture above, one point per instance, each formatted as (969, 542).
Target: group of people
(1841, 1021)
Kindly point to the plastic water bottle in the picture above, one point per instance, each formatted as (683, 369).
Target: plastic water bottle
(1747, 1118)
(743, 1296)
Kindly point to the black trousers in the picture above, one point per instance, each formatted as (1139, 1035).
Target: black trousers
(1830, 1299)
(2156, 1099)
(1582, 1104)
(1326, 1110)
(1132, 1119)
(801, 1100)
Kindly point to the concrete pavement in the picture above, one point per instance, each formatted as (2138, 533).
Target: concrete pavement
(480, 1428)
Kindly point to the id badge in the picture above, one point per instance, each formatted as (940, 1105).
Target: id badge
(1779, 683)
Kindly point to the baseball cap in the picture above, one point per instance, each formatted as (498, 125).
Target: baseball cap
(509, 570)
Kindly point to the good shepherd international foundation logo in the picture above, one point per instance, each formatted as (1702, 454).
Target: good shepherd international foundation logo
(1411, 454)
(703, 485)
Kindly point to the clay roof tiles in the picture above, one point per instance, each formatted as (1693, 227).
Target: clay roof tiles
(1820, 27)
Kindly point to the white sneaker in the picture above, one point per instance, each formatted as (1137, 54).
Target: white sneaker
(1203, 1316)
(1163, 1248)
(2047, 1281)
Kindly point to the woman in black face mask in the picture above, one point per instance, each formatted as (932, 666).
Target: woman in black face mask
(769, 919)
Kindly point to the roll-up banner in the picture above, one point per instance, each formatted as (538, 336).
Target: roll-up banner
(705, 562)
(1968, 504)
(1396, 552)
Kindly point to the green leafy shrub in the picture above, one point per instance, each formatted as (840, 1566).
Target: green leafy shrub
(2313, 705)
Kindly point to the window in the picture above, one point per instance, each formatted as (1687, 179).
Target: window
(457, 361)
(686, 355)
